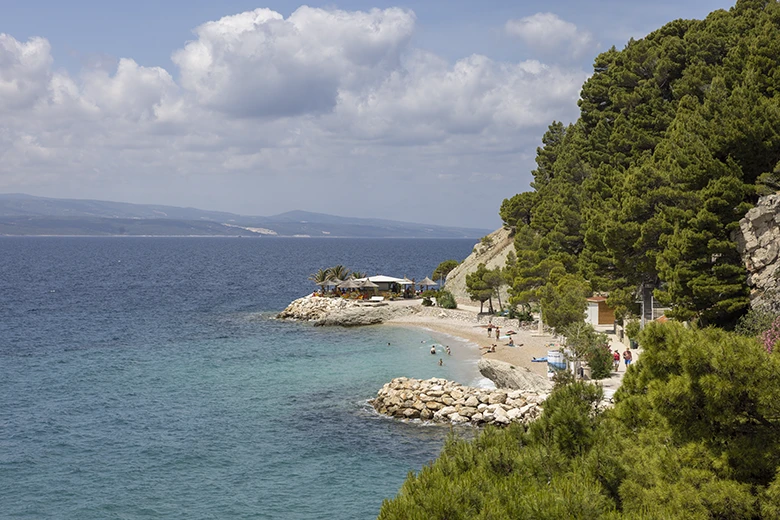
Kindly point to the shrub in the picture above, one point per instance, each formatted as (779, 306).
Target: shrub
(426, 302)
(632, 329)
(447, 300)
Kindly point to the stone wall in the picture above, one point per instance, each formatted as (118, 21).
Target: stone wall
(758, 241)
(440, 400)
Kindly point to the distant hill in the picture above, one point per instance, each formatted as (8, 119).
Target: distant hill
(22, 214)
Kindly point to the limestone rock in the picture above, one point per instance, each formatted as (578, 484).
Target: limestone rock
(412, 399)
(505, 375)
(339, 311)
(758, 241)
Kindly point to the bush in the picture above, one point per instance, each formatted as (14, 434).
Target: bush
(427, 302)
(632, 329)
(600, 361)
(446, 299)
(591, 346)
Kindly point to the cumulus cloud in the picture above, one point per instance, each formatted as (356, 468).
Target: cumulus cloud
(24, 71)
(259, 104)
(429, 100)
(257, 64)
(549, 33)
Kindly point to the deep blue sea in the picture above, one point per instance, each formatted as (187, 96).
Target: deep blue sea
(146, 378)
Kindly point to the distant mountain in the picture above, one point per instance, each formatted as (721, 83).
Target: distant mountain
(22, 214)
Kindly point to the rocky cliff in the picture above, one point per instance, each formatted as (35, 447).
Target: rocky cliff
(758, 241)
(492, 253)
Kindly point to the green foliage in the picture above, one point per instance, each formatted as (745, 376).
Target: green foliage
(564, 303)
(693, 434)
(446, 300)
(478, 288)
(677, 134)
(591, 346)
(443, 269)
(338, 272)
(632, 329)
(427, 302)
(516, 211)
(755, 322)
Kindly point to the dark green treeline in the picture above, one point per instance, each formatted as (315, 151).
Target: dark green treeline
(694, 434)
(679, 133)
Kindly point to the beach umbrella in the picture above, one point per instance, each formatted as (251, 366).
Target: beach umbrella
(406, 281)
(349, 284)
(368, 283)
(427, 282)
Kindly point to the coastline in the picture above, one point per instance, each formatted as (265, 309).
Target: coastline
(467, 329)
(468, 326)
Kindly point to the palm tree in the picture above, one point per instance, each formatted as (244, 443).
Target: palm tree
(358, 274)
(338, 272)
(321, 276)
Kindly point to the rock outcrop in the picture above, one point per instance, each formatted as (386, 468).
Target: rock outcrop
(758, 241)
(440, 400)
(346, 313)
(493, 254)
(505, 375)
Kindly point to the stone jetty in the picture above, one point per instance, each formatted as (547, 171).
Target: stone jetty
(440, 400)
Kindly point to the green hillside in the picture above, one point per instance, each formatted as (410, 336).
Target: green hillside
(678, 135)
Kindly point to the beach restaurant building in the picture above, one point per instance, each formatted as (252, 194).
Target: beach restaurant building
(386, 283)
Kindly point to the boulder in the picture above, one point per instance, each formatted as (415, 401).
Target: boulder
(497, 397)
(507, 376)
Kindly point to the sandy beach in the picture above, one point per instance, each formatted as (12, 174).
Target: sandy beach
(466, 323)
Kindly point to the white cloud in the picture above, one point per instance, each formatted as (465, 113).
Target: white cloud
(548, 33)
(259, 106)
(257, 64)
(429, 100)
(24, 71)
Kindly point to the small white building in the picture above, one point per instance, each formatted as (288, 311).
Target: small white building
(598, 312)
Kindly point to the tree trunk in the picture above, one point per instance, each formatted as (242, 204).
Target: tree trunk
(498, 295)
(490, 305)
(481, 303)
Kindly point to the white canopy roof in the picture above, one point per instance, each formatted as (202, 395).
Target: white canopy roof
(385, 279)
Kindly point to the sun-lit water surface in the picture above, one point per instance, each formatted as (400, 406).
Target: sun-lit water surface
(146, 378)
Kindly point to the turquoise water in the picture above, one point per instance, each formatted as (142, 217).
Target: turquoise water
(146, 378)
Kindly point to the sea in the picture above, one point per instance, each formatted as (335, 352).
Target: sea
(146, 377)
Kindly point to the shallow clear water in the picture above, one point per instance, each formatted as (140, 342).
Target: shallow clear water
(146, 378)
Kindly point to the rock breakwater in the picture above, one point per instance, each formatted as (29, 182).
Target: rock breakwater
(340, 311)
(440, 400)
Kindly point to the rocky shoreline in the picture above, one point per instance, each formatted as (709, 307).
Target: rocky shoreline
(346, 313)
(442, 401)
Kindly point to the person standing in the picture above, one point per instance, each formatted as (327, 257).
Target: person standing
(498, 332)
(490, 329)
(616, 360)
(627, 357)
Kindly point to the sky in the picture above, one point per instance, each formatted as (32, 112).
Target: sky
(424, 112)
